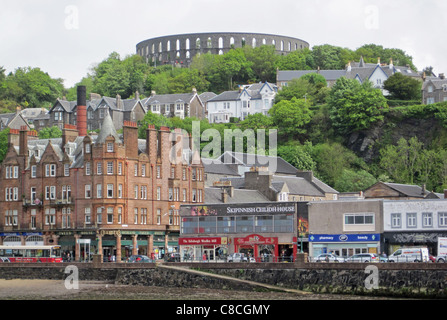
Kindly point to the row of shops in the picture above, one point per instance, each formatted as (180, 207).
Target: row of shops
(264, 231)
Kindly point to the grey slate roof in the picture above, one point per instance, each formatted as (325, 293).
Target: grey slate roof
(408, 189)
(216, 166)
(214, 195)
(253, 160)
(107, 129)
(168, 98)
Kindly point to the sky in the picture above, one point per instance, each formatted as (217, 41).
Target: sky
(66, 38)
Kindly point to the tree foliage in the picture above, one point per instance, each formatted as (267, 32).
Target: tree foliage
(354, 106)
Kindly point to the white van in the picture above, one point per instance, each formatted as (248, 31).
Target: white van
(410, 255)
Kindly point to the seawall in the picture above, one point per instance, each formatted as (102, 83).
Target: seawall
(414, 280)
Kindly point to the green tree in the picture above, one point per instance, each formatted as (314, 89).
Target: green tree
(291, 117)
(402, 162)
(353, 181)
(354, 106)
(152, 118)
(51, 132)
(263, 60)
(403, 87)
(297, 156)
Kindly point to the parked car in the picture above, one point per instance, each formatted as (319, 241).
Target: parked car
(172, 257)
(410, 255)
(431, 258)
(138, 258)
(329, 257)
(237, 257)
(441, 259)
(363, 257)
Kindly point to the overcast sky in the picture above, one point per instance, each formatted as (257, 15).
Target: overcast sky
(66, 38)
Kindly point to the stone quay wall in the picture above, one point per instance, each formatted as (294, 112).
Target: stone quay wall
(415, 280)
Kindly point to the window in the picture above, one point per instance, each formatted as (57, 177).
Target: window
(158, 193)
(109, 215)
(184, 195)
(50, 170)
(143, 216)
(143, 192)
(135, 215)
(120, 190)
(120, 214)
(88, 170)
(171, 195)
(99, 215)
(411, 220)
(99, 168)
(109, 167)
(359, 218)
(99, 191)
(66, 193)
(50, 216)
(442, 216)
(143, 170)
(88, 191)
(11, 217)
(396, 220)
(135, 189)
(109, 190)
(135, 170)
(66, 170)
(33, 219)
(120, 168)
(33, 171)
(427, 219)
(109, 146)
(87, 148)
(158, 216)
(158, 172)
(33, 194)
(88, 216)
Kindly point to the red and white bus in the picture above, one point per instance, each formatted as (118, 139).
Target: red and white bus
(31, 254)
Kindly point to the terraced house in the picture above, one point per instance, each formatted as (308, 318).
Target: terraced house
(119, 193)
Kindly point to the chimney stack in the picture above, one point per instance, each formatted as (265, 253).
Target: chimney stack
(81, 119)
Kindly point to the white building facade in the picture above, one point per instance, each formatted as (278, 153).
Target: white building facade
(414, 223)
(250, 99)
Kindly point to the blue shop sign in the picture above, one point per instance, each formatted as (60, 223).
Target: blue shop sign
(365, 237)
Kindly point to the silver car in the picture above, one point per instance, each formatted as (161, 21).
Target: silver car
(329, 257)
(364, 257)
(237, 257)
(441, 259)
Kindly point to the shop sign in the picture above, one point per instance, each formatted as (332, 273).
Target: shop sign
(365, 237)
(255, 239)
(239, 209)
(203, 241)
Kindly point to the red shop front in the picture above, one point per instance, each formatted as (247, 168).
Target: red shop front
(257, 245)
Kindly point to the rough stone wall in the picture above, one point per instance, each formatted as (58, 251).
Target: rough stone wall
(412, 282)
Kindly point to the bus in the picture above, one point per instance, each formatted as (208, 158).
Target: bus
(48, 254)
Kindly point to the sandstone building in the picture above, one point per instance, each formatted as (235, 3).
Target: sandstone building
(116, 192)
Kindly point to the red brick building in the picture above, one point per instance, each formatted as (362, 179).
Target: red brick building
(119, 193)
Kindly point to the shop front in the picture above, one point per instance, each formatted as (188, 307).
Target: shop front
(203, 248)
(263, 231)
(344, 245)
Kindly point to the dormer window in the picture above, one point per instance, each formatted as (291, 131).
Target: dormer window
(88, 148)
(109, 146)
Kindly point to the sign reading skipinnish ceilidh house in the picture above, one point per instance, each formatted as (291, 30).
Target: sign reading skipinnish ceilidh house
(239, 209)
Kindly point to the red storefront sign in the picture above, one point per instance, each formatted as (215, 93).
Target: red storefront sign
(203, 241)
(255, 239)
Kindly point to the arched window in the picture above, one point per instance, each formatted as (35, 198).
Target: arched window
(177, 45)
(243, 42)
(168, 46)
(282, 45)
(264, 42)
(253, 43)
(231, 42)
(197, 43)
(153, 48)
(187, 44)
(220, 43)
(209, 43)
(160, 47)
